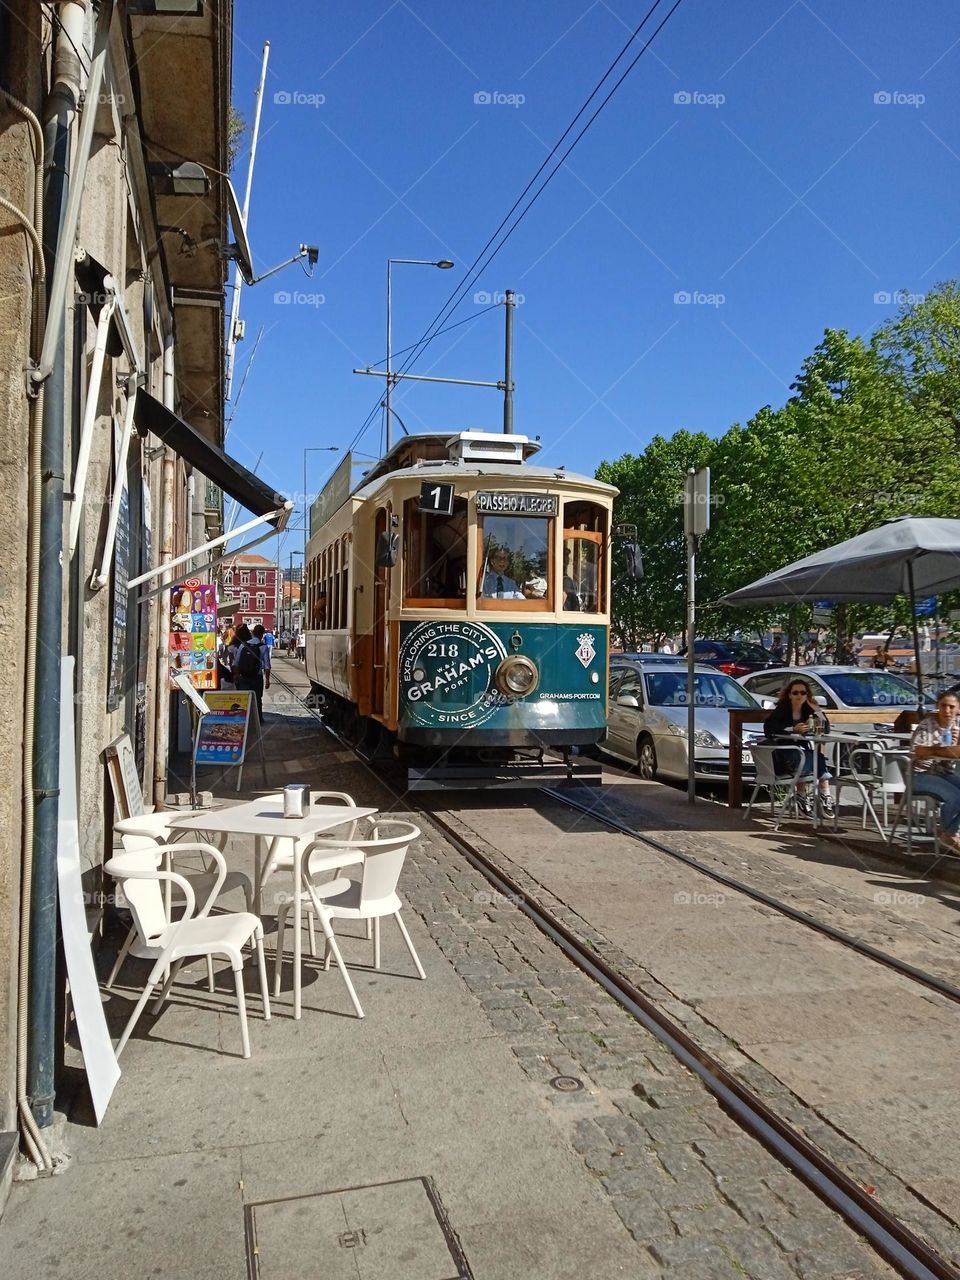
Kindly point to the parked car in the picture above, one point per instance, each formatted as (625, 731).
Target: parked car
(733, 657)
(647, 719)
(841, 688)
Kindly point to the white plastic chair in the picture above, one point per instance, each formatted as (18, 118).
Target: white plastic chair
(196, 934)
(910, 802)
(768, 779)
(370, 898)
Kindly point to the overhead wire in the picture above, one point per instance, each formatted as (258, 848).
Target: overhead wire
(475, 270)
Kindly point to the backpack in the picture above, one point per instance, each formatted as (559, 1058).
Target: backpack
(248, 661)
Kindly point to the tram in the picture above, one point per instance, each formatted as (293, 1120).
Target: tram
(457, 610)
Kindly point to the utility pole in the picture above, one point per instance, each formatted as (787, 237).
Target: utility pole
(509, 302)
(696, 522)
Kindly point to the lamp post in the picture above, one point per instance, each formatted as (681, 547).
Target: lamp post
(444, 264)
(290, 589)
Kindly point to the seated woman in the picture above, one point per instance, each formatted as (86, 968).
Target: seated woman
(935, 747)
(791, 719)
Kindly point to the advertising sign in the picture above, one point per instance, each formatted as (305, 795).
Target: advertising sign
(193, 632)
(222, 736)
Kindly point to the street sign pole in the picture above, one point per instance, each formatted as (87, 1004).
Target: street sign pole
(696, 522)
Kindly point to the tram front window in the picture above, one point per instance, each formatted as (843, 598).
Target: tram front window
(514, 561)
(435, 557)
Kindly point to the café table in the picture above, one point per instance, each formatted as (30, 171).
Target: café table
(263, 819)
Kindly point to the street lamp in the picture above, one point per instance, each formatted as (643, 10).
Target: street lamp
(318, 448)
(444, 264)
(290, 589)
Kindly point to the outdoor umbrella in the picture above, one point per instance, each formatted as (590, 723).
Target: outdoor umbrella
(908, 556)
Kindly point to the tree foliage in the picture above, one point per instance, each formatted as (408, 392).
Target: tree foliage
(869, 433)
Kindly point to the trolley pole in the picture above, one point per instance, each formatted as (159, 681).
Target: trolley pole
(509, 302)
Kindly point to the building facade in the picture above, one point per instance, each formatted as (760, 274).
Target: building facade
(112, 283)
(251, 582)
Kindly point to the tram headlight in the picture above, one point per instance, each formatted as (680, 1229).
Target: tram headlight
(516, 677)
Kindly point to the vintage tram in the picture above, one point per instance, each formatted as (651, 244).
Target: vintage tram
(457, 609)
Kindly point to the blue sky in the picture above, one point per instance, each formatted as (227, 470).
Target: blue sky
(812, 170)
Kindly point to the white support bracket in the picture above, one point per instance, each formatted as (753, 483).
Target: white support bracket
(100, 578)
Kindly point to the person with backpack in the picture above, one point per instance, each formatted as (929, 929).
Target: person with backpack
(251, 668)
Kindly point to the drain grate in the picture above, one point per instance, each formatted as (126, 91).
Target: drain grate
(396, 1229)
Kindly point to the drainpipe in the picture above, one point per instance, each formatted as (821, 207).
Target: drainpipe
(66, 170)
(161, 746)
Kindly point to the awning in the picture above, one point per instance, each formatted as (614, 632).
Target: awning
(234, 479)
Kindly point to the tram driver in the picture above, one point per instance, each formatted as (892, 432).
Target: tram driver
(497, 584)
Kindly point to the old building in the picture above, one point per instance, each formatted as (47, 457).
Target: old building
(251, 582)
(113, 143)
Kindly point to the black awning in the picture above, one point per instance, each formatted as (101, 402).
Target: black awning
(234, 479)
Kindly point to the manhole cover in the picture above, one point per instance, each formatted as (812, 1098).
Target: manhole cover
(396, 1229)
(566, 1084)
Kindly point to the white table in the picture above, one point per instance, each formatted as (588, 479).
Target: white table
(263, 819)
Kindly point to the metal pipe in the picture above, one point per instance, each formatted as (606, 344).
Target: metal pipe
(509, 303)
(32, 1138)
(237, 277)
(208, 546)
(388, 434)
(916, 635)
(161, 740)
(66, 172)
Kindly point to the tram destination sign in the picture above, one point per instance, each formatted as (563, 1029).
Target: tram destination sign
(495, 503)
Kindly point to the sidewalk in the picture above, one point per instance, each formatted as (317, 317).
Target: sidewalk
(203, 1155)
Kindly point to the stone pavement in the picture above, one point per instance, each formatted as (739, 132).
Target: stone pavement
(638, 1173)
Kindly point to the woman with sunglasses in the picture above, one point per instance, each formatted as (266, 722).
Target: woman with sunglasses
(795, 717)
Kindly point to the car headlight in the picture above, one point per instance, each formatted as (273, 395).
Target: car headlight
(516, 677)
(704, 738)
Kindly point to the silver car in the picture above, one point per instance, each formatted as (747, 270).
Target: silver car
(647, 720)
(841, 689)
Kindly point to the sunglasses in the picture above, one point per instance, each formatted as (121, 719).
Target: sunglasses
(794, 693)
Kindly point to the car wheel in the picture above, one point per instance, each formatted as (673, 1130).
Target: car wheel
(646, 759)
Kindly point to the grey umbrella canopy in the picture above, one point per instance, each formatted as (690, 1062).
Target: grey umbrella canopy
(911, 556)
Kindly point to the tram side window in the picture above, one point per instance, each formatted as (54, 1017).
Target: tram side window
(584, 536)
(515, 561)
(344, 579)
(435, 557)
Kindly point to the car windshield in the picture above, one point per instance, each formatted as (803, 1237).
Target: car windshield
(669, 689)
(870, 688)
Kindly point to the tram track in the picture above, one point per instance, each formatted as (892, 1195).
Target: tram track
(894, 1241)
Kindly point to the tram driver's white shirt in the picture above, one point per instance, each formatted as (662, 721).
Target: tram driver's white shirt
(509, 590)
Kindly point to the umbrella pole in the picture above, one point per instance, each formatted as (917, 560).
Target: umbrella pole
(916, 634)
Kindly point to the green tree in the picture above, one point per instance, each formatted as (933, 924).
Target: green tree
(921, 347)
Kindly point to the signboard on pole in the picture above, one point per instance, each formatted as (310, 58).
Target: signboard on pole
(926, 607)
(193, 632)
(222, 736)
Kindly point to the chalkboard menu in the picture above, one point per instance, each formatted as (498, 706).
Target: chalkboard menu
(119, 603)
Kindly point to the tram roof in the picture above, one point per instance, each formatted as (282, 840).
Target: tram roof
(447, 469)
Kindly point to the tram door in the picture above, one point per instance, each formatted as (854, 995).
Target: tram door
(380, 589)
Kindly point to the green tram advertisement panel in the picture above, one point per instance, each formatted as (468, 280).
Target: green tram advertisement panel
(448, 680)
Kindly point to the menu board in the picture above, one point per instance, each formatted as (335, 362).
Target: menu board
(222, 735)
(193, 632)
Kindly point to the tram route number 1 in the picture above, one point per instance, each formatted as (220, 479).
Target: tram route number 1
(436, 499)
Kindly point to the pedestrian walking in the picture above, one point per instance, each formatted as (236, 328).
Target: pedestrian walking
(252, 666)
(301, 646)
